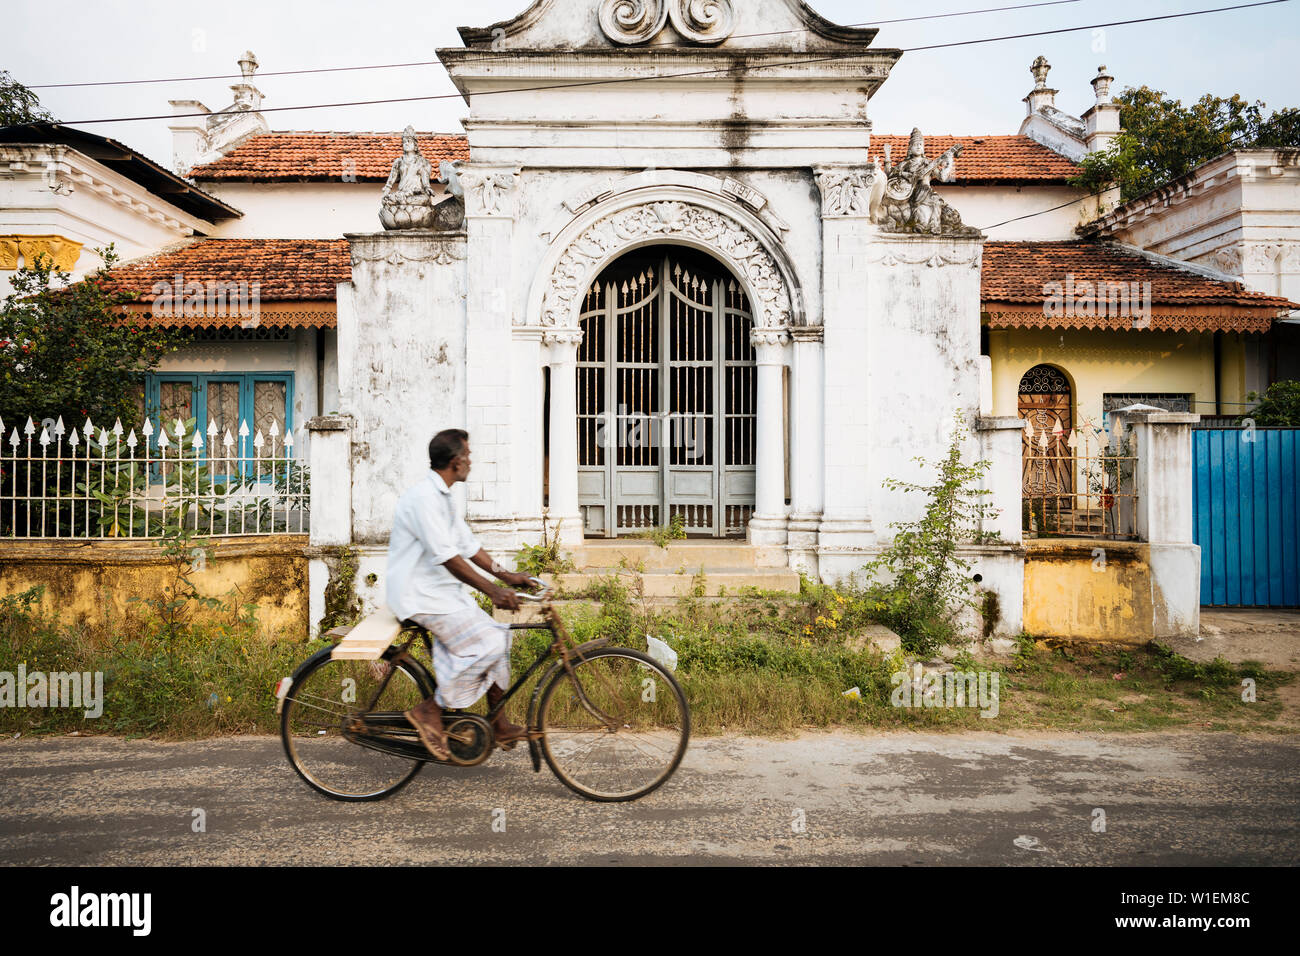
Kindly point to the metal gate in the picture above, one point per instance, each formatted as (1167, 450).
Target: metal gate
(666, 398)
(1246, 502)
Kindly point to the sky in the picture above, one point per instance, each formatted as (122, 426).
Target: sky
(974, 89)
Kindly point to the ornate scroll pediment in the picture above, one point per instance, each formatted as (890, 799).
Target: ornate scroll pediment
(629, 22)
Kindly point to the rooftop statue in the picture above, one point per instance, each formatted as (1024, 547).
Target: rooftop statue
(407, 201)
(907, 202)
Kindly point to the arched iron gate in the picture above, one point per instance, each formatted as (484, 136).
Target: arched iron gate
(666, 398)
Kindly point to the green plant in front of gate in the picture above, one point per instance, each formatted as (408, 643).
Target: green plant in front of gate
(544, 558)
(674, 530)
(929, 582)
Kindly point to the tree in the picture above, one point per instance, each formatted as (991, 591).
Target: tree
(1280, 406)
(20, 105)
(66, 350)
(1161, 139)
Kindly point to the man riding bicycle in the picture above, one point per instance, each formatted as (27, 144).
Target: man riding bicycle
(429, 556)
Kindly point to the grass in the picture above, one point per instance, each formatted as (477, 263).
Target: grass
(759, 663)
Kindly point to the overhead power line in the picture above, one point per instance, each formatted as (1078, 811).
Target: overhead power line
(398, 66)
(686, 75)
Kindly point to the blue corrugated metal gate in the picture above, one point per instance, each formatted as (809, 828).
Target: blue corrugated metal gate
(1246, 501)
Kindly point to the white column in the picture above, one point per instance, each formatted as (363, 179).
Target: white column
(807, 448)
(846, 533)
(331, 480)
(563, 359)
(768, 525)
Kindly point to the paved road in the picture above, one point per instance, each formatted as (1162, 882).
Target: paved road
(897, 798)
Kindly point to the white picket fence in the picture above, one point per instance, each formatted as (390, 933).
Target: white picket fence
(109, 483)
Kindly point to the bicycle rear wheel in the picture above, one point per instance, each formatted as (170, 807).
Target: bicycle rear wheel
(324, 698)
(617, 728)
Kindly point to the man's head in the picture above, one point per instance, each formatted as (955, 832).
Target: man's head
(449, 455)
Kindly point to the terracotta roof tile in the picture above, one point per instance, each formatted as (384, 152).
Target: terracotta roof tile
(319, 157)
(322, 157)
(300, 271)
(1014, 288)
(987, 159)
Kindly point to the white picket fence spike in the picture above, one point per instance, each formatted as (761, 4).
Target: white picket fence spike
(58, 427)
(131, 440)
(117, 428)
(212, 429)
(228, 440)
(45, 437)
(103, 439)
(258, 442)
(162, 438)
(288, 438)
(1042, 438)
(180, 428)
(1072, 442)
(198, 440)
(147, 428)
(14, 439)
(73, 440)
(31, 427)
(275, 428)
(243, 429)
(88, 429)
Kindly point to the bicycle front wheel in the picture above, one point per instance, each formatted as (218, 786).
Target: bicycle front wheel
(616, 728)
(326, 700)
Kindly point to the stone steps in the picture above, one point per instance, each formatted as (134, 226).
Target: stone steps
(692, 555)
(663, 583)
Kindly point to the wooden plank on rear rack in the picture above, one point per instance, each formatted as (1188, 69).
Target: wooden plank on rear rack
(369, 639)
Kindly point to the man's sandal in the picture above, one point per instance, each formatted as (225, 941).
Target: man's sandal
(436, 745)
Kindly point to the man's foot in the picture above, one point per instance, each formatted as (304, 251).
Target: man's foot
(506, 733)
(427, 721)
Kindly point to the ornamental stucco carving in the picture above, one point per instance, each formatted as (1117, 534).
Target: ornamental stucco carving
(439, 251)
(721, 234)
(486, 192)
(629, 22)
(846, 190)
(934, 260)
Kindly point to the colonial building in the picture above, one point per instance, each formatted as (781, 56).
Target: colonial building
(670, 271)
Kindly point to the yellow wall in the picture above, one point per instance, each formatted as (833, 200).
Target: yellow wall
(93, 582)
(1072, 593)
(1098, 361)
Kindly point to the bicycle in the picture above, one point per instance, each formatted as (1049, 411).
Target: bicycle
(611, 722)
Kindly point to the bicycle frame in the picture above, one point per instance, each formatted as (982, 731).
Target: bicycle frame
(562, 647)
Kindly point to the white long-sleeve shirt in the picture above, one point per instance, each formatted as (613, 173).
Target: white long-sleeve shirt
(427, 532)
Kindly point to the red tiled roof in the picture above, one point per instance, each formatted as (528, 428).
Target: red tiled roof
(296, 276)
(1015, 277)
(320, 157)
(324, 157)
(987, 159)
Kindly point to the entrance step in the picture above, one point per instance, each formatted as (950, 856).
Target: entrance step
(691, 555)
(662, 583)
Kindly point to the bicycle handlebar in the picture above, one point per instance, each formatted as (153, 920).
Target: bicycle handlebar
(543, 595)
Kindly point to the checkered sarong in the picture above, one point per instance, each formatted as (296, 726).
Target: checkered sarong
(471, 652)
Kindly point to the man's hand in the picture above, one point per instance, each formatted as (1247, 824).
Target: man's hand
(516, 580)
(503, 598)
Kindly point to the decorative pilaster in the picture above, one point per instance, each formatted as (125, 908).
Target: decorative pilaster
(562, 345)
(768, 525)
(807, 449)
(845, 530)
(490, 197)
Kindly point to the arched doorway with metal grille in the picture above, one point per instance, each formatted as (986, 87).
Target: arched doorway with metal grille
(1047, 463)
(666, 403)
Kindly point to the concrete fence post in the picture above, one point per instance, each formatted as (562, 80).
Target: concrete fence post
(331, 504)
(1162, 482)
(331, 480)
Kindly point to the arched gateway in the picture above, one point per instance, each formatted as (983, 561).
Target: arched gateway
(666, 397)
